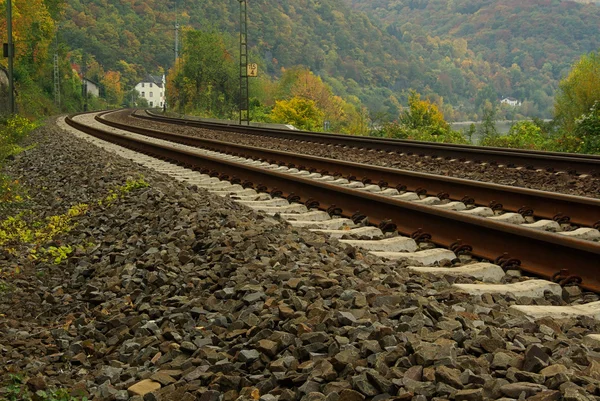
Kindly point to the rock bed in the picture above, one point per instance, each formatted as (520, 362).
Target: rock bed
(180, 295)
(561, 183)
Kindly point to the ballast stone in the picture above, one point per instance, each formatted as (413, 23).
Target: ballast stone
(144, 387)
(529, 288)
(592, 340)
(486, 272)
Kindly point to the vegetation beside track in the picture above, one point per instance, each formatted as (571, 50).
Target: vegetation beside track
(12, 133)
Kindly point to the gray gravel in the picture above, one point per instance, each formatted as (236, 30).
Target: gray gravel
(180, 295)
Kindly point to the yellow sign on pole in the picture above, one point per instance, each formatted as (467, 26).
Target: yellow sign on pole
(252, 70)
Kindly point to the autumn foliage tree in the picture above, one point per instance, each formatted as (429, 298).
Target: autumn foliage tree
(579, 91)
(112, 87)
(33, 32)
(302, 83)
(423, 121)
(300, 112)
(423, 114)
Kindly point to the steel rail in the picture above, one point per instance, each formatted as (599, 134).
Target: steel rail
(546, 205)
(551, 161)
(540, 253)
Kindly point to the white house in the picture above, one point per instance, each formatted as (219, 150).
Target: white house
(511, 101)
(152, 88)
(92, 87)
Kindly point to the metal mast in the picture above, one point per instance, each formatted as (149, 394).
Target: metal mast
(176, 37)
(84, 82)
(56, 82)
(56, 76)
(11, 55)
(244, 87)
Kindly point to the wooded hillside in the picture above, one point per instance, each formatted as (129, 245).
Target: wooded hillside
(528, 46)
(460, 54)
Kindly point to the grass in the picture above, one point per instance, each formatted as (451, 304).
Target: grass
(17, 390)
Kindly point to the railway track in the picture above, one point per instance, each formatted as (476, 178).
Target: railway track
(317, 196)
(552, 208)
(572, 163)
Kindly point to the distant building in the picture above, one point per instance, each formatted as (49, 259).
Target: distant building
(511, 101)
(152, 88)
(93, 88)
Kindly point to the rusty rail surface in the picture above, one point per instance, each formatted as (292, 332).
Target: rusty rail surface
(546, 205)
(551, 161)
(537, 252)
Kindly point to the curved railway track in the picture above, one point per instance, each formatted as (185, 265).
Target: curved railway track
(546, 254)
(551, 161)
(578, 210)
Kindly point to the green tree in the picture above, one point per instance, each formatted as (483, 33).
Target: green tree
(579, 91)
(587, 127)
(522, 135)
(205, 78)
(422, 114)
(487, 129)
(302, 113)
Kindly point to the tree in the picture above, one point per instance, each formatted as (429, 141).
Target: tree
(587, 127)
(302, 113)
(579, 91)
(422, 114)
(487, 129)
(112, 85)
(205, 76)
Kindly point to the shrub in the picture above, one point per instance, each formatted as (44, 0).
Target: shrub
(587, 129)
(522, 135)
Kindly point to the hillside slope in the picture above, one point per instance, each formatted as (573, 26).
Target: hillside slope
(458, 54)
(540, 37)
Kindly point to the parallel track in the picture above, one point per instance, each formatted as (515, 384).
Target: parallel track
(551, 161)
(579, 210)
(540, 253)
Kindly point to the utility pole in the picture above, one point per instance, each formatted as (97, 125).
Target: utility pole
(56, 75)
(84, 82)
(176, 39)
(11, 54)
(244, 87)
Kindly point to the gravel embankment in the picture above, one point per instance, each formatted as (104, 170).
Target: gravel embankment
(562, 183)
(180, 295)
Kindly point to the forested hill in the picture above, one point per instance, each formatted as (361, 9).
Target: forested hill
(542, 37)
(325, 35)
(459, 54)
